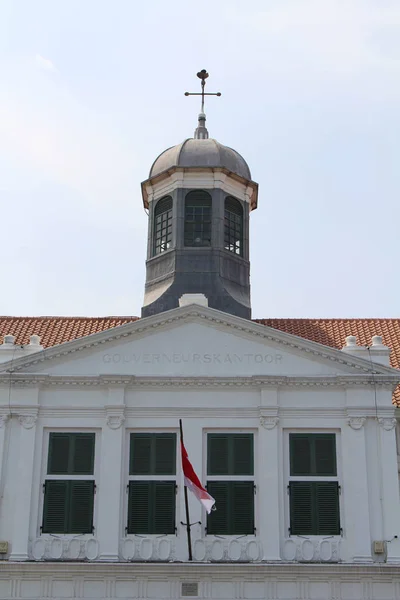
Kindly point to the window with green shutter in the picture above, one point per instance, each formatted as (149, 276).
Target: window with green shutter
(235, 508)
(69, 485)
(314, 508)
(151, 507)
(152, 454)
(313, 454)
(230, 454)
(313, 485)
(230, 474)
(152, 483)
(71, 454)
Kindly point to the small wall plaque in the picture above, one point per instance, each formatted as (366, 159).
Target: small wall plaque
(3, 547)
(190, 589)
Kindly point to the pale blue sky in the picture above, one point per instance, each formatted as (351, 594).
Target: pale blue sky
(91, 91)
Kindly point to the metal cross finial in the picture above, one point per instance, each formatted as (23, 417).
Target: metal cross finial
(203, 76)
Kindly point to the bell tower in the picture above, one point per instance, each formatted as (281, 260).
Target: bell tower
(199, 196)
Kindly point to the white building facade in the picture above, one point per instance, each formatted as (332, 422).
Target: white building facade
(295, 440)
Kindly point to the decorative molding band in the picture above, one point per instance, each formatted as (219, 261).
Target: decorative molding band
(27, 421)
(59, 548)
(306, 550)
(356, 422)
(269, 422)
(123, 571)
(387, 423)
(196, 382)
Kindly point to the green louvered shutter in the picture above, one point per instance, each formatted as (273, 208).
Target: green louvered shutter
(151, 507)
(164, 494)
(140, 454)
(242, 454)
(81, 506)
(242, 507)
(300, 454)
(218, 521)
(218, 454)
(59, 453)
(302, 508)
(82, 461)
(325, 454)
(55, 508)
(165, 454)
(139, 506)
(327, 507)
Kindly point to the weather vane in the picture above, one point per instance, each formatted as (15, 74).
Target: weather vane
(203, 76)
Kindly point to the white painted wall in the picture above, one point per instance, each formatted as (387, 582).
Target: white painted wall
(303, 391)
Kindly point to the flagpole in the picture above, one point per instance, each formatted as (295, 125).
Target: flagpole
(189, 536)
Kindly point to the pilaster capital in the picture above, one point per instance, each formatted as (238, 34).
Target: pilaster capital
(115, 421)
(387, 423)
(269, 422)
(3, 420)
(356, 422)
(115, 416)
(27, 421)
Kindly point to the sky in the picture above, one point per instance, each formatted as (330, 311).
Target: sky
(91, 91)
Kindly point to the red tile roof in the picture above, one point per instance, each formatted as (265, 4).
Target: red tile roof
(330, 332)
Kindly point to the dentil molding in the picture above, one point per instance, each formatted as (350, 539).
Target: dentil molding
(269, 422)
(387, 423)
(356, 422)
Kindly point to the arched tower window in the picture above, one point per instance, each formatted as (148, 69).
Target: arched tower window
(198, 219)
(233, 226)
(162, 225)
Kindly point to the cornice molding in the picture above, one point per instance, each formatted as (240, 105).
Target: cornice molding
(254, 381)
(198, 314)
(98, 416)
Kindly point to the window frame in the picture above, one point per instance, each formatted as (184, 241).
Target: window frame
(230, 478)
(63, 477)
(168, 228)
(312, 479)
(129, 478)
(231, 242)
(209, 198)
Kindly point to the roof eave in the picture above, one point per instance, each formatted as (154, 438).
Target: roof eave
(168, 172)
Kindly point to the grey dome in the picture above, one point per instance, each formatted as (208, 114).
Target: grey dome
(201, 153)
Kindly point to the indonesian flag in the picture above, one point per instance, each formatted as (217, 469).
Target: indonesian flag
(193, 482)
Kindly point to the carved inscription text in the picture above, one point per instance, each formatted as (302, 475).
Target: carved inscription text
(193, 358)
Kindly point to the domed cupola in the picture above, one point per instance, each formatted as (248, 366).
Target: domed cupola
(207, 153)
(199, 195)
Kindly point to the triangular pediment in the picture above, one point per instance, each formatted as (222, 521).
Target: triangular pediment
(193, 341)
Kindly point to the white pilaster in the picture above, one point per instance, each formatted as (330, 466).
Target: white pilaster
(22, 509)
(356, 523)
(390, 487)
(3, 426)
(268, 509)
(110, 487)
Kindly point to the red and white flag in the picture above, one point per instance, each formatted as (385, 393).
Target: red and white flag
(193, 482)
